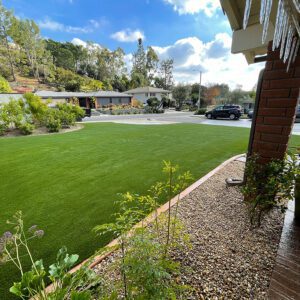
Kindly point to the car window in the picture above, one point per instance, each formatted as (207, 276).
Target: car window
(219, 108)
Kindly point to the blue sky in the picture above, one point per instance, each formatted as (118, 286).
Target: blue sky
(195, 33)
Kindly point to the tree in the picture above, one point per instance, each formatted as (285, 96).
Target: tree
(166, 69)
(139, 68)
(137, 80)
(62, 56)
(159, 82)
(151, 64)
(180, 94)
(26, 34)
(4, 86)
(212, 93)
(6, 19)
(195, 94)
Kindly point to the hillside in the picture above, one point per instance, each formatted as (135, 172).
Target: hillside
(28, 84)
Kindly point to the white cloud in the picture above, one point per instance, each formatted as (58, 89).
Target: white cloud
(79, 42)
(213, 58)
(194, 6)
(52, 25)
(128, 35)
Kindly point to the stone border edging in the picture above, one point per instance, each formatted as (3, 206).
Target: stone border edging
(112, 246)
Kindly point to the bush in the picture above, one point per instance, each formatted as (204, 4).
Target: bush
(4, 86)
(268, 185)
(200, 111)
(12, 114)
(35, 106)
(3, 129)
(26, 128)
(136, 103)
(153, 102)
(52, 120)
(78, 112)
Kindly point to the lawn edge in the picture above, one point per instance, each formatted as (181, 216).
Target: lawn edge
(113, 245)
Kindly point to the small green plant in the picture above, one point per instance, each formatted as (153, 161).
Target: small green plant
(26, 128)
(268, 185)
(52, 120)
(14, 247)
(146, 267)
(3, 129)
(200, 111)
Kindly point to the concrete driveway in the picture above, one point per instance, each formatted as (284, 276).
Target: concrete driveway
(173, 117)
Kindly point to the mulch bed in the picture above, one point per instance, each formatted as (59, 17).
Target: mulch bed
(228, 259)
(41, 131)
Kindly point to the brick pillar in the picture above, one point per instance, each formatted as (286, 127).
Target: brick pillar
(277, 105)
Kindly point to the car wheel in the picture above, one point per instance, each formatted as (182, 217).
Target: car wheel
(232, 116)
(209, 116)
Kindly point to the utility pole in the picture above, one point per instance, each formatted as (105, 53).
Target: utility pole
(199, 97)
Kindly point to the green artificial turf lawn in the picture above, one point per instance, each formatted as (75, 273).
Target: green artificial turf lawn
(67, 183)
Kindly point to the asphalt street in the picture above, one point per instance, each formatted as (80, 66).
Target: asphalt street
(172, 117)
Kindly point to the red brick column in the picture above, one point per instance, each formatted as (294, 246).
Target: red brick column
(277, 105)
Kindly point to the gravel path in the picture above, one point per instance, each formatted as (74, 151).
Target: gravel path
(227, 259)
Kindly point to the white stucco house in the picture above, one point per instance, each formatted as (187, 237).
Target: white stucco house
(144, 93)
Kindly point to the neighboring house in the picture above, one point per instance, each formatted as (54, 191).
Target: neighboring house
(89, 99)
(248, 105)
(144, 93)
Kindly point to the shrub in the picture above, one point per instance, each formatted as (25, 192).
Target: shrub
(69, 114)
(4, 86)
(136, 103)
(200, 111)
(35, 106)
(78, 111)
(268, 185)
(52, 120)
(12, 114)
(3, 129)
(26, 128)
(153, 102)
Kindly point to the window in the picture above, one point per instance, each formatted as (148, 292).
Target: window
(152, 94)
(219, 108)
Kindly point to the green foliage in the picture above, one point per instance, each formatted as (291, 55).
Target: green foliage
(3, 129)
(92, 85)
(26, 128)
(69, 114)
(149, 274)
(4, 86)
(180, 94)
(200, 111)
(166, 69)
(268, 185)
(153, 102)
(12, 114)
(35, 106)
(68, 80)
(52, 120)
(34, 281)
(145, 265)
